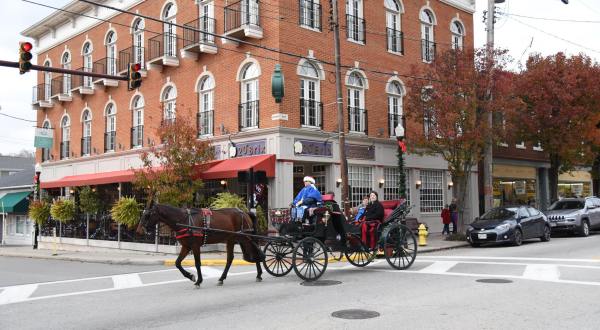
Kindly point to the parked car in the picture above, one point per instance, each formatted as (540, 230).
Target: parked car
(578, 215)
(509, 224)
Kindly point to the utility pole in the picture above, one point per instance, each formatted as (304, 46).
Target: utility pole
(488, 196)
(340, 109)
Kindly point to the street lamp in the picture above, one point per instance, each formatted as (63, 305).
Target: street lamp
(399, 130)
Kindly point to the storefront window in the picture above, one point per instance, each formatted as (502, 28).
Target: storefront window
(574, 189)
(360, 181)
(432, 192)
(391, 189)
(20, 225)
(514, 192)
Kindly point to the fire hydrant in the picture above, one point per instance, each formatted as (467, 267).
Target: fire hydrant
(423, 235)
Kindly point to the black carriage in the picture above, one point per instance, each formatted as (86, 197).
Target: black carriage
(306, 246)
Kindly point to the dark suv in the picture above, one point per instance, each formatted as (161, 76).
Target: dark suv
(578, 215)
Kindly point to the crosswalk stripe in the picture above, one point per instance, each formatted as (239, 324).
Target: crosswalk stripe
(542, 272)
(126, 281)
(438, 267)
(17, 293)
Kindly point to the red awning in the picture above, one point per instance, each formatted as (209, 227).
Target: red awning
(90, 179)
(228, 168)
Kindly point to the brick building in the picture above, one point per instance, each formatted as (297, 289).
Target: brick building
(100, 127)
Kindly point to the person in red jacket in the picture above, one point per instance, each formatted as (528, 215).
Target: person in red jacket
(446, 219)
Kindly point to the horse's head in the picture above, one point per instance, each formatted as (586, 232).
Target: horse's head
(148, 219)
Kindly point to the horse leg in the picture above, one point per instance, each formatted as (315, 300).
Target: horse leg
(258, 272)
(230, 245)
(196, 250)
(182, 254)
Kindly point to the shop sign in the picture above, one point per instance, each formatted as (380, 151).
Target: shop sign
(520, 187)
(251, 148)
(356, 151)
(313, 148)
(513, 172)
(43, 138)
(577, 189)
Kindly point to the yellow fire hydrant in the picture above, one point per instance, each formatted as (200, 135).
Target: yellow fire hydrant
(422, 235)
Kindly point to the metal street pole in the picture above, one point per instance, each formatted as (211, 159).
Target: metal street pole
(66, 71)
(340, 109)
(488, 156)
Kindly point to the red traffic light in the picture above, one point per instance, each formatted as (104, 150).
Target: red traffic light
(26, 46)
(136, 67)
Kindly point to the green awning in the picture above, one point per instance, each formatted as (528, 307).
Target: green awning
(14, 202)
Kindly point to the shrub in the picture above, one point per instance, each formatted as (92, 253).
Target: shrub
(63, 210)
(39, 211)
(126, 211)
(226, 200)
(89, 202)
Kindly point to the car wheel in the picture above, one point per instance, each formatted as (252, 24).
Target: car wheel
(584, 230)
(547, 234)
(518, 239)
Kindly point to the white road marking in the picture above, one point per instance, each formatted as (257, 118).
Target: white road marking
(17, 293)
(509, 258)
(126, 281)
(438, 267)
(542, 272)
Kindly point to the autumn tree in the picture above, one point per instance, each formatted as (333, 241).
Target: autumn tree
(450, 106)
(170, 170)
(562, 106)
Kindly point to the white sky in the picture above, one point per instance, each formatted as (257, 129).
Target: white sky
(15, 16)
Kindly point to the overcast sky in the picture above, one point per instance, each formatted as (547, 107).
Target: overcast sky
(518, 34)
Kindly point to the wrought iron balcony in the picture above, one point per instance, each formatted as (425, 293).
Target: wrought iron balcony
(427, 50)
(355, 29)
(107, 65)
(311, 113)
(41, 96)
(163, 50)
(133, 55)
(137, 136)
(395, 41)
(310, 14)
(109, 141)
(195, 41)
(82, 84)
(86, 145)
(242, 19)
(64, 149)
(357, 120)
(61, 88)
(248, 114)
(205, 123)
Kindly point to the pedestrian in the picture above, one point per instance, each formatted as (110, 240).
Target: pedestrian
(373, 217)
(454, 215)
(446, 219)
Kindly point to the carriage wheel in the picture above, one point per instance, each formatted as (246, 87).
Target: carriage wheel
(278, 258)
(400, 247)
(358, 254)
(310, 259)
(336, 255)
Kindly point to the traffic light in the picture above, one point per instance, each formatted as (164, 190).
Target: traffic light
(25, 57)
(134, 77)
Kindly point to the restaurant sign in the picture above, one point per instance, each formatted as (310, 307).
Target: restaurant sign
(313, 148)
(356, 151)
(251, 148)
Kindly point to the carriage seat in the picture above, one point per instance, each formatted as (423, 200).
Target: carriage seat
(388, 207)
(328, 198)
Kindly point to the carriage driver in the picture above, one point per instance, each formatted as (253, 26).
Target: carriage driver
(307, 198)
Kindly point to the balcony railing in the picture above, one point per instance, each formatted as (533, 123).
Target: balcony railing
(427, 50)
(133, 55)
(240, 13)
(355, 28)
(248, 114)
(310, 14)
(86, 145)
(395, 41)
(192, 36)
(357, 120)
(78, 81)
(107, 65)
(163, 45)
(109, 141)
(393, 121)
(137, 136)
(41, 92)
(311, 113)
(205, 122)
(64, 149)
(61, 85)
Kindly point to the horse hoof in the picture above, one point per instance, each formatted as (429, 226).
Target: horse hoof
(258, 279)
(197, 286)
(193, 278)
(220, 283)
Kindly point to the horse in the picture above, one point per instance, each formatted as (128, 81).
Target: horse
(227, 219)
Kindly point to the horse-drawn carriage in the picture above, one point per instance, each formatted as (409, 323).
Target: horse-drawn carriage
(306, 246)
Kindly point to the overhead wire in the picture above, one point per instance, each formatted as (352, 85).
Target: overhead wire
(18, 118)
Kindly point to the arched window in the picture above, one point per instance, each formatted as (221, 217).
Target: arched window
(111, 53)
(207, 21)
(86, 140)
(310, 95)
(395, 93)
(169, 29)
(87, 63)
(65, 126)
(429, 118)
(356, 103)
(458, 33)
(47, 83)
(249, 96)
(66, 64)
(138, 41)
(427, 37)
(205, 106)
(137, 131)
(394, 26)
(111, 127)
(169, 105)
(46, 151)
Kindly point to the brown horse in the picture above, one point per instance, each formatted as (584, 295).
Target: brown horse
(229, 219)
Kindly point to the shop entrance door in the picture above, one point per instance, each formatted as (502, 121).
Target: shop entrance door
(318, 171)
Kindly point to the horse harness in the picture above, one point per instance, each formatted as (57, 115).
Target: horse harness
(189, 232)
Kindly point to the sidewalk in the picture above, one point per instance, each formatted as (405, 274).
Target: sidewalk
(435, 242)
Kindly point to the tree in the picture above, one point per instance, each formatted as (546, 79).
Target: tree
(170, 170)
(449, 106)
(562, 105)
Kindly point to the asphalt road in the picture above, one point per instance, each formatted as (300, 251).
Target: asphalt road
(547, 286)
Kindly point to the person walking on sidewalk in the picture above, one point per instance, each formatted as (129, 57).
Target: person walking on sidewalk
(446, 219)
(454, 215)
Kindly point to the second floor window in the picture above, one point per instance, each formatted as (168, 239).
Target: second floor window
(205, 111)
(65, 125)
(427, 36)
(249, 96)
(87, 63)
(138, 41)
(169, 104)
(170, 30)
(86, 133)
(457, 35)
(393, 26)
(310, 96)
(137, 130)
(47, 83)
(355, 23)
(395, 93)
(310, 14)
(111, 128)
(66, 64)
(111, 53)
(356, 103)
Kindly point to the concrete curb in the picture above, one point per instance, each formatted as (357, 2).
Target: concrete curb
(138, 262)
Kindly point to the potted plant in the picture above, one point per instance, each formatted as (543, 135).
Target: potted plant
(63, 210)
(126, 211)
(39, 211)
(226, 200)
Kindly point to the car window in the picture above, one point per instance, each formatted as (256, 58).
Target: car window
(523, 213)
(533, 211)
(588, 203)
(596, 202)
(499, 213)
(566, 205)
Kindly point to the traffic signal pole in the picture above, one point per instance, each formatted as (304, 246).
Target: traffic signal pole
(65, 71)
